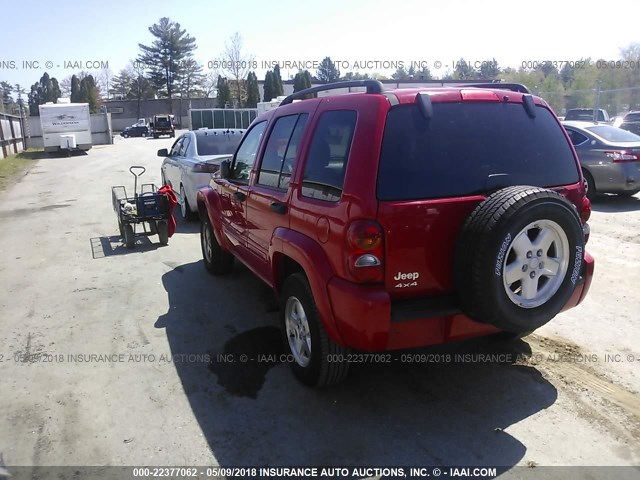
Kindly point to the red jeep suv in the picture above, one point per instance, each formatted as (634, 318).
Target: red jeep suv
(396, 219)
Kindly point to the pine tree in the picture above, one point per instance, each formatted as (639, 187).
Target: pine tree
(269, 86)
(224, 92)
(328, 72)
(253, 94)
(277, 80)
(165, 57)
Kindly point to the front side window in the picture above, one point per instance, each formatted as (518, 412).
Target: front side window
(246, 156)
(327, 158)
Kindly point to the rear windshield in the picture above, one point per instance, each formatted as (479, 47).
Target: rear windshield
(613, 134)
(586, 115)
(470, 148)
(220, 144)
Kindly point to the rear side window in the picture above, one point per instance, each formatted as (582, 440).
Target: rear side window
(327, 158)
(471, 148)
(280, 152)
(576, 137)
(613, 134)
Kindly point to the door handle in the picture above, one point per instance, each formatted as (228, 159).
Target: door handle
(241, 197)
(278, 207)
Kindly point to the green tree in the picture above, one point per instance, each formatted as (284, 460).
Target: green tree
(89, 93)
(277, 81)
(269, 87)
(43, 91)
(224, 92)
(121, 85)
(191, 82)
(7, 100)
(464, 70)
(253, 93)
(327, 72)
(489, 70)
(75, 89)
(302, 81)
(400, 74)
(165, 57)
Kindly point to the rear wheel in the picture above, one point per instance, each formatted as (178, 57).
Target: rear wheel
(317, 360)
(129, 238)
(591, 185)
(216, 260)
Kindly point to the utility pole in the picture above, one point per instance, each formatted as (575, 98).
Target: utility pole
(596, 105)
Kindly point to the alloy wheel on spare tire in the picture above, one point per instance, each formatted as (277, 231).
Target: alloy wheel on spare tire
(316, 360)
(518, 258)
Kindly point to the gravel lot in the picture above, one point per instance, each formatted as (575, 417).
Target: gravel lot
(70, 289)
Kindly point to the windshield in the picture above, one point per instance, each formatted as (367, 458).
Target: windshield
(585, 115)
(220, 144)
(613, 134)
(470, 148)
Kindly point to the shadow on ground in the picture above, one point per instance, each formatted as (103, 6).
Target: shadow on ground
(102, 247)
(615, 204)
(256, 413)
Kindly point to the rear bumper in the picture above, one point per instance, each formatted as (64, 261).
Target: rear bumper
(368, 320)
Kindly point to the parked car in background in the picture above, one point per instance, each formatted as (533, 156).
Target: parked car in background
(369, 247)
(586, 115)
(631, 122)
(135, 131)
(191, 161)
(609, 156)
(163, 125)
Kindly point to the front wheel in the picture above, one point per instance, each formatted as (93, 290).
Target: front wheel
(216, 260)
(317, 360)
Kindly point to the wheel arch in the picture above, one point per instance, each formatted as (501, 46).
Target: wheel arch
(292, 252)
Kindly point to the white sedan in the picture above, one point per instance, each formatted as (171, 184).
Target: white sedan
(193, 158)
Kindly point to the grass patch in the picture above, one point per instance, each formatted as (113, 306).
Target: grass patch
(14, 166)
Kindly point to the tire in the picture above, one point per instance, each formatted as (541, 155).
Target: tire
(499, 270)
(216, 260)
(185, 208)
(129, 238)
(162, 227)
(591, 185)
(155, 136)
(317, 361)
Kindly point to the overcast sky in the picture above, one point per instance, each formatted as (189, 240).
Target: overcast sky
(349, 31)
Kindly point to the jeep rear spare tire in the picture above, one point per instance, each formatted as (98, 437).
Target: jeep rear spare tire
(518, 258)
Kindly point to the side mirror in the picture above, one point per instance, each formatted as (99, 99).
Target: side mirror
(225, 169)
(163, 152)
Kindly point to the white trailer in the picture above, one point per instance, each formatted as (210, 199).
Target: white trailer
(65, 126)
(266, 106)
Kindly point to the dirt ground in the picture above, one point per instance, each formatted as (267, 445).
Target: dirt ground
(113, 357)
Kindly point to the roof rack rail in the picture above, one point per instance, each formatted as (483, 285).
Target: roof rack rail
(514, 87)
(373, 86)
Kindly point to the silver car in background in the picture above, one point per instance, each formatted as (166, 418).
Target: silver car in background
(610, 157)
(191, 161)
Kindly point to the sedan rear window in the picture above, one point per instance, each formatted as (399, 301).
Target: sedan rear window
(613, 134)
(470, 148)
(218, 144)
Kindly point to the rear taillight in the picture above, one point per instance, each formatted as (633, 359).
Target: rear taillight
(365, 251)
(622, 156)
(206, 167)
